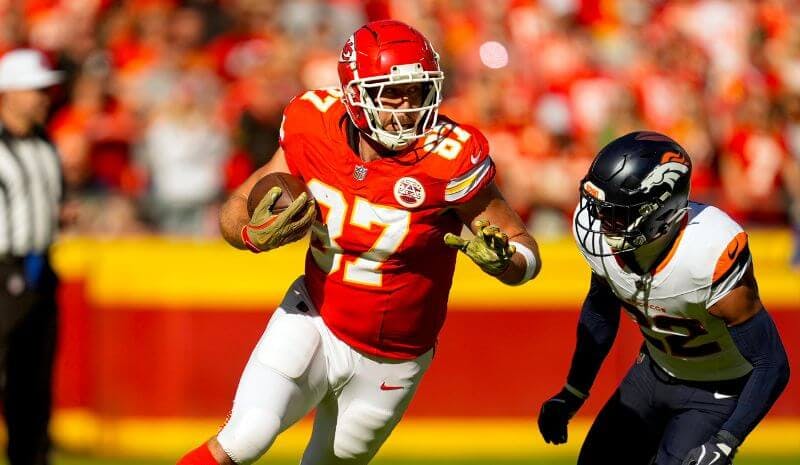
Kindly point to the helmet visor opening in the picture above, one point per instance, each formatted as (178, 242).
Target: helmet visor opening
(599, 221)
(395, 94)
(614, 219)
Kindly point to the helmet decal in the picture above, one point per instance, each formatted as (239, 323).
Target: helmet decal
(594, 191)
(673, 156)
(348, 51)
(668, 173)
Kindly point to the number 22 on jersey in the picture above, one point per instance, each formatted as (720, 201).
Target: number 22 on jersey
(675, 334)
(362, 215)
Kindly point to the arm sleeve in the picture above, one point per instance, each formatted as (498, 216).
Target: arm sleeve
(597, 329)
(759, 342)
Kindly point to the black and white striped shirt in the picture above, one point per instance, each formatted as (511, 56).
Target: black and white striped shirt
(30, 193)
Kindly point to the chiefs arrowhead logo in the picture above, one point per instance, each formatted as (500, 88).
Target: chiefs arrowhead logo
(348, 51)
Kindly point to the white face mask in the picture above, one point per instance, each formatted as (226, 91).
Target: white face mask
(357, 94)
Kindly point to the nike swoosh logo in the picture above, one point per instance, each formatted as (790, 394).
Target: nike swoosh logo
(475, 157)
(702, 454)
(716, 457)
(719, 396)
(384, 387)
(732, 253)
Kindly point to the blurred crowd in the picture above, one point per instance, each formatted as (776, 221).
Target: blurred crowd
(170, 104)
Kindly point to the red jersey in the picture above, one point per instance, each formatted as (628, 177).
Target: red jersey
(377, 268)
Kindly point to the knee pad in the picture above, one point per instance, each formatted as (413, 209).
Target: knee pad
(360, 431)
(248, 434)
(289, 345)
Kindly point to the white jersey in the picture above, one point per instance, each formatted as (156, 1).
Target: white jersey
(670, 304)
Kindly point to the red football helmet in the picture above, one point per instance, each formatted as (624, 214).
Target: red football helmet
(381, 54)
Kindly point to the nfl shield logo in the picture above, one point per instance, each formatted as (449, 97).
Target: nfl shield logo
(359, 173)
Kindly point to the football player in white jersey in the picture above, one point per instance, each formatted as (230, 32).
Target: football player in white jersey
(712, 363)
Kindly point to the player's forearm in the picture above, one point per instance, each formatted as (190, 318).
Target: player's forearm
(597, 329)
(525, 263)
(759, 342)
(232, 218)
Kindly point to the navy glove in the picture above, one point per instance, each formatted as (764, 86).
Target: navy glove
(556, 413)
(719, 450)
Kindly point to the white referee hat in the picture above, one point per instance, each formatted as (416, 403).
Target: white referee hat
(23, 69)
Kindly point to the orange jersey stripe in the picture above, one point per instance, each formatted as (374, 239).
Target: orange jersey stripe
(665, 261)
(729, 256)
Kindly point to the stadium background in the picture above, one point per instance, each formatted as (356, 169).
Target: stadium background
(170, 104)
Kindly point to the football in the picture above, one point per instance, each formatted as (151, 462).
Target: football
(291, 188)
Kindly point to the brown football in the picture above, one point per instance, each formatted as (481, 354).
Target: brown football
(291, 187)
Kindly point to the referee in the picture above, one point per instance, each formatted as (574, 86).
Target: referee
(30, 197)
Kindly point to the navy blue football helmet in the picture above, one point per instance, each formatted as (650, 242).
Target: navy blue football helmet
(637, 190)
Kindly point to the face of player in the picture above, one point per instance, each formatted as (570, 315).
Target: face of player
(399, 97)
(614, 228)
(614, 222)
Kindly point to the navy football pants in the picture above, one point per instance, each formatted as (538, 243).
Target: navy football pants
(654, 419)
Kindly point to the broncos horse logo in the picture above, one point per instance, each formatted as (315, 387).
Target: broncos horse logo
(667, 173)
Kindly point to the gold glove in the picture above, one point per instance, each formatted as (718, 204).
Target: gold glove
(489, 248)
(267, 231)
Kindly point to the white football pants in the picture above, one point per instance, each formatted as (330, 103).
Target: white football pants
(298, 364)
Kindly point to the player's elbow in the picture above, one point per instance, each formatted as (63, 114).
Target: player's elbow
(780, 361)
(776, 363)
(783, 371)
(784, 376)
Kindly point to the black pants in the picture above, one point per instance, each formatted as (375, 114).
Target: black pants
(28, 322)
(654, 419)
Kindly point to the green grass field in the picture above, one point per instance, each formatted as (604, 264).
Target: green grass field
(77, 460)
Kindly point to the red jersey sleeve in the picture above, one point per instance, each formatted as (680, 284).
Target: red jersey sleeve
(304, 117)
(472, 167)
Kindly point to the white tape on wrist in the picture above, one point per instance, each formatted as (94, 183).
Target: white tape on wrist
(530, 261)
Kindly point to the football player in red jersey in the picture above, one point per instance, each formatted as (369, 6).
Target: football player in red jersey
(393, 184)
